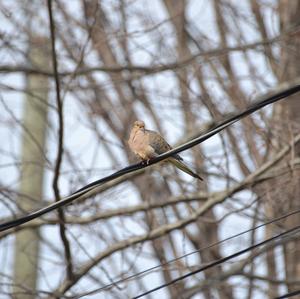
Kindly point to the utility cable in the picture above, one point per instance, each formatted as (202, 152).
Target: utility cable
(221, 126)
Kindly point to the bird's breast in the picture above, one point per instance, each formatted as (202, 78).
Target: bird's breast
(138, 141)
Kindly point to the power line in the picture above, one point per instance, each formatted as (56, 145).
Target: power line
(288, 295)
(221, 126)
(220, 261)
(114, 283)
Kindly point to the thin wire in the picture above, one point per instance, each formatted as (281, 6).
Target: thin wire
(220, 261)
(114, 283)
(221, 126)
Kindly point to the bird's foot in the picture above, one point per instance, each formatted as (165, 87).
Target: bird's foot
(146, 162)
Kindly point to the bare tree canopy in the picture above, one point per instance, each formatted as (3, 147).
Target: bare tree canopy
(75, 76)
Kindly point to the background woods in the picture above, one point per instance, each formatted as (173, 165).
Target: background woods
(181, 66)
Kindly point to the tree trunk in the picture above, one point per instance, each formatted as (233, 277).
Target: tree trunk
(33, 158)
(289, 111)
(285, 125)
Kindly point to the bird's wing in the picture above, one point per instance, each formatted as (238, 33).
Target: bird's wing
(159, 144)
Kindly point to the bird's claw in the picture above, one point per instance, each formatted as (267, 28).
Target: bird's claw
(146, 162)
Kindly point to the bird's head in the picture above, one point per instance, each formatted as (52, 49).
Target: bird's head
(139, 124)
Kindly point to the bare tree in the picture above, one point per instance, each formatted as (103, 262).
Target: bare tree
(181, 66)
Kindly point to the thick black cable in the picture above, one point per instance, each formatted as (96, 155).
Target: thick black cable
(289, 295)
(23, 219)
(116, 282)
(220, 261)
(221, 126)
(67, 200)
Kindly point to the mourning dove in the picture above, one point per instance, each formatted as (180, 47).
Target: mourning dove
(148, 144)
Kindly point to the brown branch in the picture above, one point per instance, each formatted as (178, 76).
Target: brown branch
(61, 216)
(143, 207)
(146, 70)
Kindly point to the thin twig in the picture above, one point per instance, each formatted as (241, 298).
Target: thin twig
(146, 70)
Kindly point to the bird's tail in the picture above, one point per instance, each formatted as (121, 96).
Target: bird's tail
(184, 168)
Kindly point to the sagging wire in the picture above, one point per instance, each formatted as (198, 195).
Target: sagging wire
(293, 230)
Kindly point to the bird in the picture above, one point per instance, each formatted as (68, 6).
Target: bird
(147, 144)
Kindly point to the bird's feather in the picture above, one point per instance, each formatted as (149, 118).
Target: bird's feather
(184, 168)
